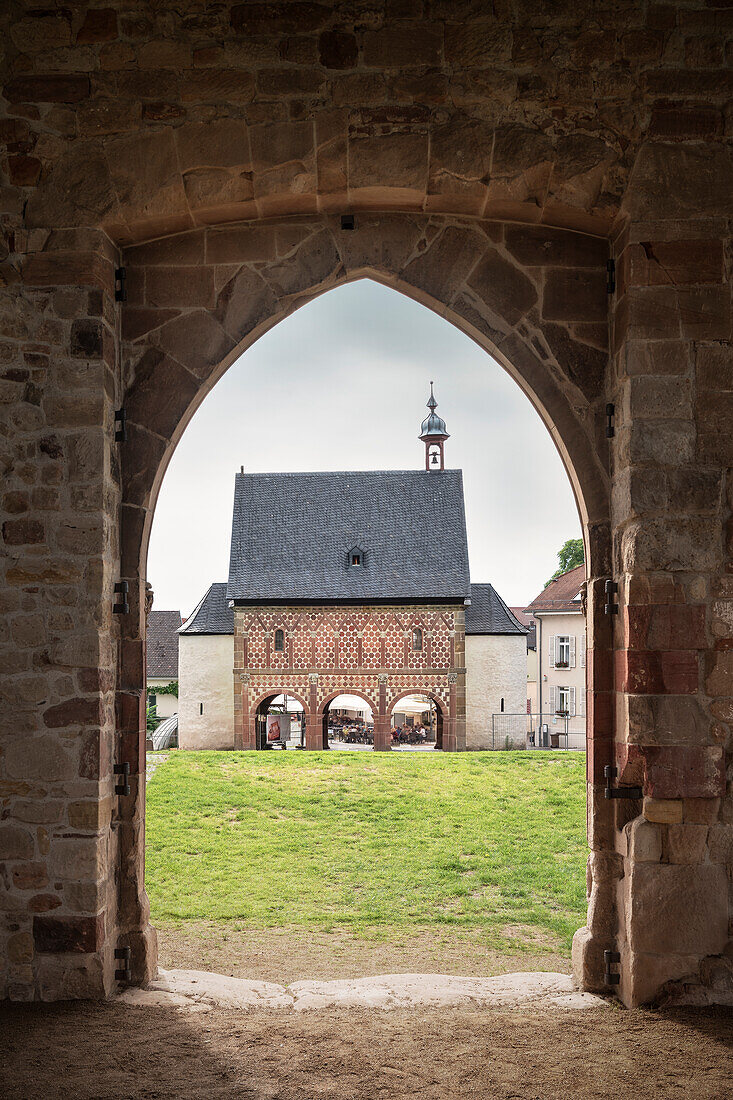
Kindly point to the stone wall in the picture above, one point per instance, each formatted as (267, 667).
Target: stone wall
(496, 671)
(206, 711)
(493, 158)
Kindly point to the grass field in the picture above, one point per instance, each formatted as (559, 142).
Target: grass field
(370, 843)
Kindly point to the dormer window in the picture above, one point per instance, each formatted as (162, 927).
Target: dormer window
(279, 641)
(417, 639)
(355, 557)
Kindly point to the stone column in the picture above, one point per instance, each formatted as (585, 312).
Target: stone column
(671, 458)
(382, 733)
(73, 890)
(449, 719)
(314, 723)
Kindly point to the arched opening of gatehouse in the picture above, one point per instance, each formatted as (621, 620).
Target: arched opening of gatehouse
(347, 721)
(280, 722)
(416, 721)
(305, 651)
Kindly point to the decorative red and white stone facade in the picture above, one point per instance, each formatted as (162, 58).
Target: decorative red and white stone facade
(366, 651)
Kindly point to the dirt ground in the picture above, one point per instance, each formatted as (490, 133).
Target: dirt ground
(114, 1052)
(290, 956)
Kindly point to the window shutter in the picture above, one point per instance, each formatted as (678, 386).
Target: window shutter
(582, 649)
(553, 640)
(582, 701)
(571, 702)
(553, 699)
(572, 651)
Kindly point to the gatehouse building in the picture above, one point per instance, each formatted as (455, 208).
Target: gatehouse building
(327, 596)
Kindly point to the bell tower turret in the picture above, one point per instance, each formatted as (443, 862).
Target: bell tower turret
(434, 434)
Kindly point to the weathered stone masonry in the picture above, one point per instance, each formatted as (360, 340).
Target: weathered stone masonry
(330, 651)
(494, 158)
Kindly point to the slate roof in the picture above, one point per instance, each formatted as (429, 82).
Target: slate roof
(560, 594)
(526, 620)
(488, 614)
(213, 614)
(162, 645)
(292, 534)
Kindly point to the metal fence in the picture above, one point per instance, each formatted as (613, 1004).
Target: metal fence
(537, 731)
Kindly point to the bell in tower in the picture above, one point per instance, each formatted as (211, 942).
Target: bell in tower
(433, 434)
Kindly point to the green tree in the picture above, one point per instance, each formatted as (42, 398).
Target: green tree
(569, 555)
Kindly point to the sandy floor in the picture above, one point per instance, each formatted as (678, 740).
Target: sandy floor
(112, 1052)
(286, 957)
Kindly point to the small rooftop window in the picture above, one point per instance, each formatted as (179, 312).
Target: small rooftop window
(356, 557)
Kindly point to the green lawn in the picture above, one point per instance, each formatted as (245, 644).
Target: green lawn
(370, 842)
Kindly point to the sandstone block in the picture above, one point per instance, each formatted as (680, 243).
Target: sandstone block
(684, 771)
(686, 843)
(396, 160)
(678, 909)
(15, 842)
(278, 18)
(215, 144)
(445, 264)
(57, 88)
(505, 289)
(20, 947)
(317, 260)
(100, 25)
(539, 246)
(720, 841)
(73, 712)
(664, 811)
(44, 903)
(196, 340)
(398, 47)
(41, 757)
(337, 50)
(245, 302)
(68, 934)
(644, 975)
(161, 393)
(90, 815)
(644, 839)
(76, 858)
(30, 876)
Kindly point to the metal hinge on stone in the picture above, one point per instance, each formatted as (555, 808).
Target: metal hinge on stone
(611, 958)
(120, 288)
(610, 416)
(124, 974)
(610, 276)
(610, 772)
(121, 426)
(123, 607)
(124, 771)
(611, 607)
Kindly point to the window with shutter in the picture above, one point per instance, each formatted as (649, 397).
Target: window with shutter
(582, 649)
(552, 651)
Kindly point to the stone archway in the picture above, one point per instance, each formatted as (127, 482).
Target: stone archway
(324, 705)
(198, 300)
(254, 712)
(442, 718)
(120, 132)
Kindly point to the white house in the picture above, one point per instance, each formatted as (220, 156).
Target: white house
(162, 661)
(561, 642)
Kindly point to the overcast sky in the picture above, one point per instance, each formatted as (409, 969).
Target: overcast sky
(342, 385)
